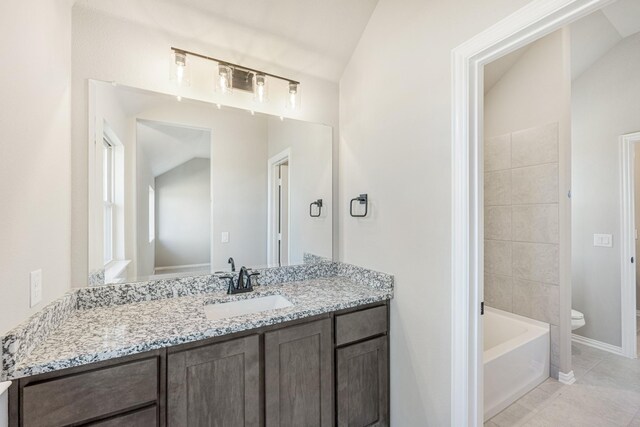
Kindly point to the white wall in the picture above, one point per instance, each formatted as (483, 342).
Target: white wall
(310, 179)
(34, 153)
(532, 92)
(109, 49)
(395, 145)
(605, 105)
(183, 214)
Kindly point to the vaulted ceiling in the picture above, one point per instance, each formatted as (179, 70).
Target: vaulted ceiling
(314, 37)
(591, 38)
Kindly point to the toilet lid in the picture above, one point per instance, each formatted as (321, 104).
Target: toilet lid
(576, 315)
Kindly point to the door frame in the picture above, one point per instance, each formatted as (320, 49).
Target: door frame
(281, 157)
(628, 243)
(535, 20)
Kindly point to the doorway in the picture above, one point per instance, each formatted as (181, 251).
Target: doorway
(538, 19)
(279, 167)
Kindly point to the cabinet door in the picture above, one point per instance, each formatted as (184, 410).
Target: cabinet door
(363, 384)
(215, 385)
(299, 375)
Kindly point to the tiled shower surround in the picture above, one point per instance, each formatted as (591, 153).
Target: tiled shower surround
(521, 259)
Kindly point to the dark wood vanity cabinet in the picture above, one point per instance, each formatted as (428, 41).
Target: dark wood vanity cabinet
(217, 385)
(323, 371)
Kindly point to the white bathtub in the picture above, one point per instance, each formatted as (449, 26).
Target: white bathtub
(516, 358)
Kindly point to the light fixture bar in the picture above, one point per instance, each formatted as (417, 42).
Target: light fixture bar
(231, 64)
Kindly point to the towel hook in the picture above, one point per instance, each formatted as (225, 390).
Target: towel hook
(364, 200)
(317, 203)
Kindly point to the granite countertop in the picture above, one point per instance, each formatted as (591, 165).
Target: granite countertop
(105, 332)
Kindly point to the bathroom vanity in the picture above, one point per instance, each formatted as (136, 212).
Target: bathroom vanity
(134, 355)
(167, 333)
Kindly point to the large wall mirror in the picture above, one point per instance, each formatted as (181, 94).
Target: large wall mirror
(179, 187)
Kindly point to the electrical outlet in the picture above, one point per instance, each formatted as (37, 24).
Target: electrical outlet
(36, 287)
(224, 237)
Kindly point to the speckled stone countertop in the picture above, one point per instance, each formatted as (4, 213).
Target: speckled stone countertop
(103, 332)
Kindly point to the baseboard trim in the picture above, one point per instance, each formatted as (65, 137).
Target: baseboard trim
(597, 344)
(567, 379)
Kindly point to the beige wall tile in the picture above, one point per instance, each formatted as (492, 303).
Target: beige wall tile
(497, 257)
(535, 223)
(498, 291)
(535, 146)
(536, 300)
(497, 153)
(497, 223)
(497, 188)
(534, 184)
(538, 262)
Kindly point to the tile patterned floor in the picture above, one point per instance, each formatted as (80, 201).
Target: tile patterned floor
(606, 393)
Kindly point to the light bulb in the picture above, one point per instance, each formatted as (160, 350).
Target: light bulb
(219, 106)
(179, 71)
(225, 78)
(179, 98)
(293, 98)
(260, 87)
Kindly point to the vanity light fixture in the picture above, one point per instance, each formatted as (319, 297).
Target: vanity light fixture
(231, 76)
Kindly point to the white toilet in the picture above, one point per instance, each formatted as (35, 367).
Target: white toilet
(577, 320)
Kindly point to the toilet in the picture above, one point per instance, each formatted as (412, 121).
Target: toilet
(577, 320)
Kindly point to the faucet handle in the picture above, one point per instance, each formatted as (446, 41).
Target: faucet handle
(251, 274)
(230, 278)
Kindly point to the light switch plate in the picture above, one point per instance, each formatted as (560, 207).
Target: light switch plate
(224, 237)
(603, 240)
(36, 288)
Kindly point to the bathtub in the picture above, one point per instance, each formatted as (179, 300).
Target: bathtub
(516, 358)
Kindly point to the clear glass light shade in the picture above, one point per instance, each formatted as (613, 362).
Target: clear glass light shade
(260, 88)
(180, 73)
(224, 81)
(293, 96)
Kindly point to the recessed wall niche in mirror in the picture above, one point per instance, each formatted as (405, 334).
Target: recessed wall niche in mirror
(179, 187)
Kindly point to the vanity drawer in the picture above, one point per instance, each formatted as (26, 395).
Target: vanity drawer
(361, 324)
(90, 395)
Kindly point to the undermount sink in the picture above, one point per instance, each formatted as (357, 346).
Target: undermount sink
(246, 306)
